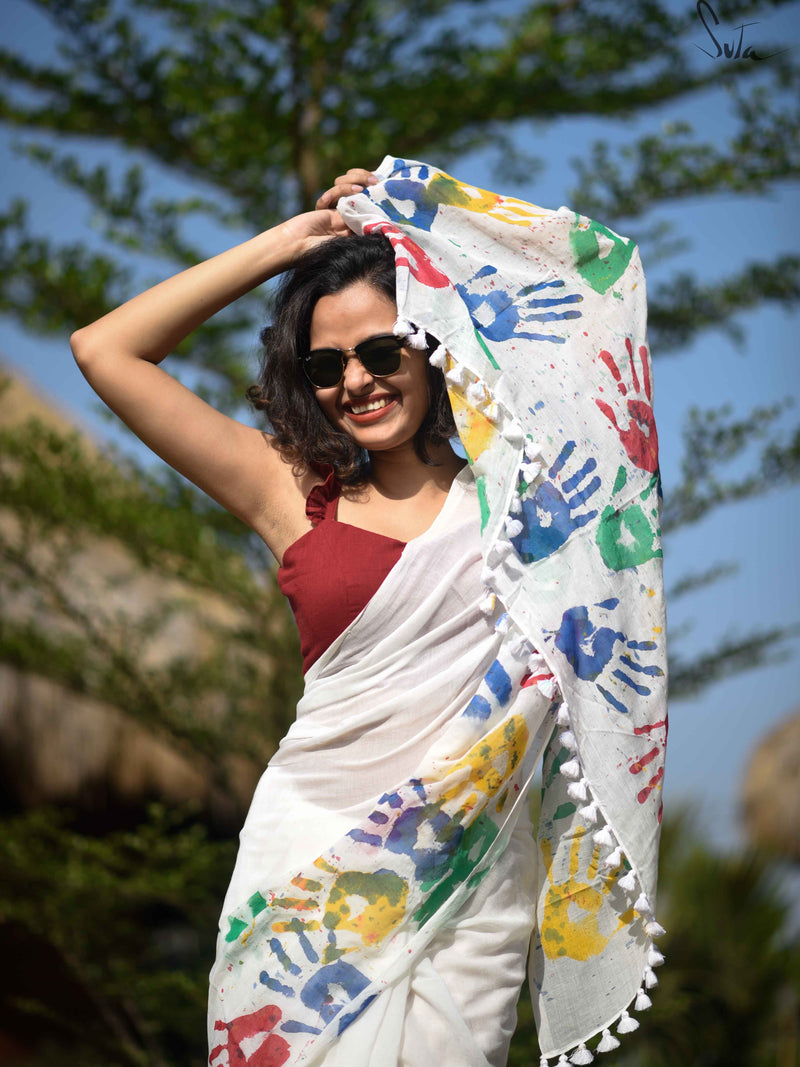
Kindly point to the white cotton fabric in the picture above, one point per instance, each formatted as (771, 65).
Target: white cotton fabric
(385, 700)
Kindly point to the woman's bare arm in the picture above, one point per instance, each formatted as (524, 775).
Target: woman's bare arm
(118, 354)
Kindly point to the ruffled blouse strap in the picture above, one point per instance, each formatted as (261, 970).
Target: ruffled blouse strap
(321, 501)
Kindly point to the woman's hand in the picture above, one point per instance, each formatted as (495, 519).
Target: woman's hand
(309, 229)
(355, 181)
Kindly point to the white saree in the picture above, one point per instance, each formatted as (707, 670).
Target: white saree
(386, 884)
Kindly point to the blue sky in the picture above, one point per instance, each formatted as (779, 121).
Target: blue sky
(712, 736)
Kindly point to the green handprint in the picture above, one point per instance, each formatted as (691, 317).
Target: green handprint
(631, 535)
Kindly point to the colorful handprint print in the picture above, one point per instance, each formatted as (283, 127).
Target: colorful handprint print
(631, 535)
(556, 509)
(410, 255)
(590, 647)
(271, 1052)
(640, 438)
(502, 315)
(601, 256)
(571, 912)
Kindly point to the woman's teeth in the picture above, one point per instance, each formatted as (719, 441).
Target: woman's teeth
(373, 405)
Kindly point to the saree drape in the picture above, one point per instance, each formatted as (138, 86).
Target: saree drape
(541, 582)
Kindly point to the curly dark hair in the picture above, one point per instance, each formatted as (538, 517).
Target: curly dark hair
(302, 433)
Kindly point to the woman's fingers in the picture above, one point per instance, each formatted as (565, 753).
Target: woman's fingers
(354, 181)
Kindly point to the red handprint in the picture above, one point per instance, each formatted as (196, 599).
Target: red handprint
(272, 1052)
(640, 440)
(408, 254)
(652, 762)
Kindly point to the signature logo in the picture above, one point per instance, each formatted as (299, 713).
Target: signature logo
(734, 49)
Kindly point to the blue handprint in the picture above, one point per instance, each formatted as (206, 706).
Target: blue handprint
(549, 516)
(413, 189)
(589, 648)
(501, 316)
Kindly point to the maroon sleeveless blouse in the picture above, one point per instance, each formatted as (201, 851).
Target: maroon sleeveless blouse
(330, 573)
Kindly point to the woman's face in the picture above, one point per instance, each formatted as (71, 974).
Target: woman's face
(343, 320)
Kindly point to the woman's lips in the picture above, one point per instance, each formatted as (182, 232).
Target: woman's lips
(388, 403)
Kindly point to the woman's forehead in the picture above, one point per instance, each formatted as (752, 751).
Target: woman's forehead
(343, 319)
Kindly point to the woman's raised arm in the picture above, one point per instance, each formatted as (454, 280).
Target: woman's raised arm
(118, 354)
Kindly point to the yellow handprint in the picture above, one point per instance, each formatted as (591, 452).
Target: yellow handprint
(571, 922)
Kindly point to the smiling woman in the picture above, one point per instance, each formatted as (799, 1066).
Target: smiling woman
(337, 297)
(386, 888)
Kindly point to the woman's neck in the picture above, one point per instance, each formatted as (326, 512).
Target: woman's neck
(400, 473)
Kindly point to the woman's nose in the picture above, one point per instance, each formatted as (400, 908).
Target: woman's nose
(356, 375)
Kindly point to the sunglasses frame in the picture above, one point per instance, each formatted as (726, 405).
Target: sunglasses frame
(356, 350)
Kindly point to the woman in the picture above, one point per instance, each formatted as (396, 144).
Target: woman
(383, 897)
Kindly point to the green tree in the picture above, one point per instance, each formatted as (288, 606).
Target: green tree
(250, 108)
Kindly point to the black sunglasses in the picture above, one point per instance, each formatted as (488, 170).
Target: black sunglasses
(381, 356)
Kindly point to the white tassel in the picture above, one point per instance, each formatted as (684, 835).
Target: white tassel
(530, 472)
(603, 837)
(476, 392)
(548, 687)
(590, 812)
(498, 552)
(571, 769)
(654, 929)
(502, 624)
(581, 1055)
(543, 1061)
(513, 527)
(628, 882)
(562, 1059)
(614, 858)
(515, 505)
(642, 905)
(489, 409)
(563, 711)
(654, 957)
(567, 739)
(438, 358)
(577, 790)
(532, 450)
(650, 977)
(609, 1042)
(519, 647)
(457, 376)
(627, 1024)
(402, 328)
(487, 604)
(513, 433)
(418, 340)
(643, 1002)
(487, 576)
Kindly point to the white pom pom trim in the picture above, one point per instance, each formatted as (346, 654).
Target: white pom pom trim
(643, 1002)
(513, 527)
(581, 1055)
(627, 1024)
(608, 1043)
(571, 769)
(628, 882)
(438, 358)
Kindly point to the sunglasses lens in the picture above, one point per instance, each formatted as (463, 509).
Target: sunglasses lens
(324, 367)
(381, 355)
